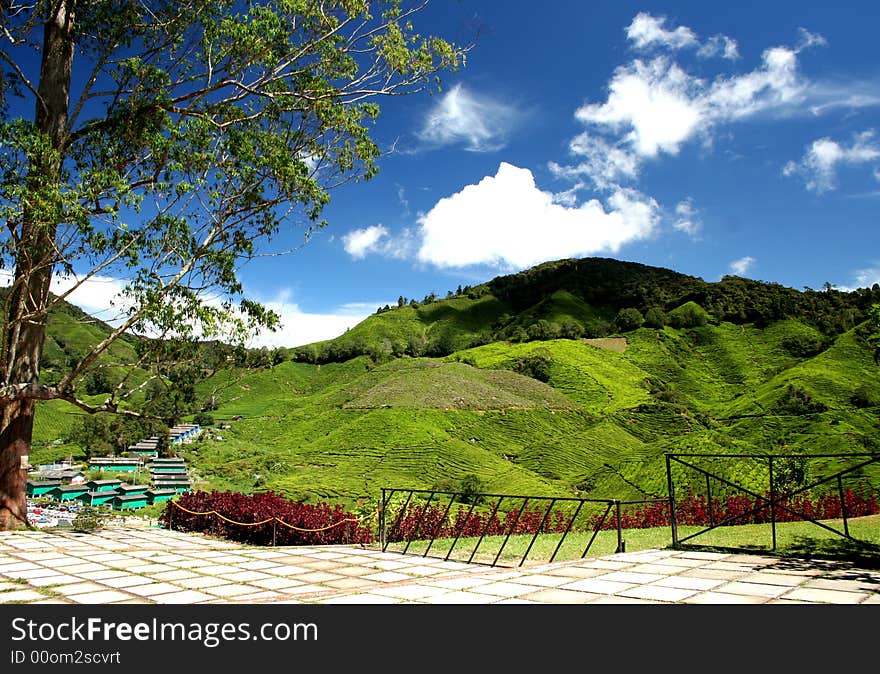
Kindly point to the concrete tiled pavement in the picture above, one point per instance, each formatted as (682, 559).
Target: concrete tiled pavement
(155, 566)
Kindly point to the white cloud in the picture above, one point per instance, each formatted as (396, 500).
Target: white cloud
(655, 103)
(606, 165)
(719, 45)
(656, 106)
(688, 220)
(647, 31)
(477, 121)
(359, 242)
(741, 266)
(506, 221)
(299, 327)
(822, 158)
(866, 278)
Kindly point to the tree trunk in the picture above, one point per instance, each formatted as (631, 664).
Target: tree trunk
(25, 329)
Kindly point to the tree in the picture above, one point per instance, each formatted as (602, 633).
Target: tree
(629, 319)
(163, 143)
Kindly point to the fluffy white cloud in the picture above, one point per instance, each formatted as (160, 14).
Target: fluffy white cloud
(655, 103)
(821, 159)
(657, 106)
(647, 31)
(606, 165)
(477, 121)
(505, 220)
(741, 266)
(359, 242)
(719, 45)
(688, 218)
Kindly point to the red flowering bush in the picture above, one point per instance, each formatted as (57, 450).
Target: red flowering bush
(284, 522)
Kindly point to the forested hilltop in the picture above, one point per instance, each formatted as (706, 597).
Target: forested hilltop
(590, 297)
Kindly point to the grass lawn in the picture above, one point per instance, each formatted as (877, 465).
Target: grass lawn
(792, 538)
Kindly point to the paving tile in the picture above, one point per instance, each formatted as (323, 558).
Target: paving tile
(723, 598)
(102, 597)
(20, 596)
(245, 576)
(412, 592)
(319, 565)
(597, 586)
(873, 599)
(697, 554)
(58, 579)
(611, 564)
(618, 599)
(461, 583)
(276, 583)
(319, 577)
(688, 583)
(102, 575)
(757, 589)
(658, 593)
(199, 582)
(178, 574)
(183, 597)
(842, 584)
(575, 572)
(728, 566)
(630, 577)
(389, 565)
(559, 596)
(231, 590)
(461, 597)
(662, 569)
(350, 583)
(32, 573)
(421, 570)
(149, 568)
(123, 582)
(305, 589)
(684, 562)
(7, 569)
(259, 565)
(82, 568)
(817, 595)
(151, 590)
(361, 599)
(543, 580)
(77, 588)
(773, 579)
(713, 574)
(388, 576)
(506, 589)
(257, 597)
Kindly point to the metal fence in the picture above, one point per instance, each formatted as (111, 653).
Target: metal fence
(779, 499)
(430, 519)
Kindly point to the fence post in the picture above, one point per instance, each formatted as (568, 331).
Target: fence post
(382, 520)
(671, 493)
(621, 546)
(772, 504)
(842, 505)
(170, 513)
(274, 524)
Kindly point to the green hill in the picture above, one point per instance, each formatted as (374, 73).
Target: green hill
(538, 383)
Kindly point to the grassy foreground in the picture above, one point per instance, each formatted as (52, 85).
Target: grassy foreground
(792, 538)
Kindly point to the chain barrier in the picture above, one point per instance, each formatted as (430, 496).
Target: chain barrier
(349, 520)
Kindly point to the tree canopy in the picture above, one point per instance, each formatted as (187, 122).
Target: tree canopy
(162, 144)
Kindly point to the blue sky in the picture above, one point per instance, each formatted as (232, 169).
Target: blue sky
(709, 138)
